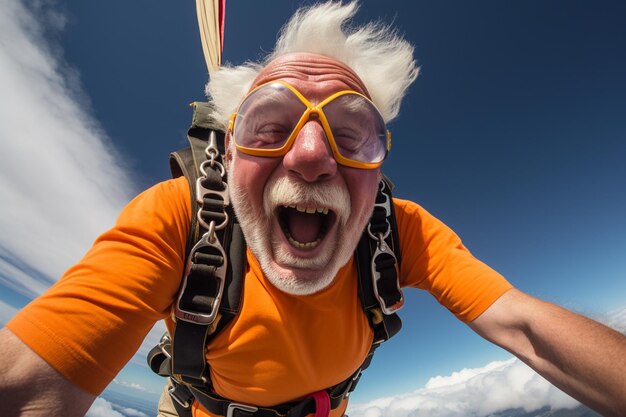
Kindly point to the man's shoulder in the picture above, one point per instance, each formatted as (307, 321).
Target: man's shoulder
(165, 200)
(408, 207)
(173, 189)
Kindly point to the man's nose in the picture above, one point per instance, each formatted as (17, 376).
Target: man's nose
(310, 157)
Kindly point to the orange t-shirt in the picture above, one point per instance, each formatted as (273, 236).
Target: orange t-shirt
(278, 349)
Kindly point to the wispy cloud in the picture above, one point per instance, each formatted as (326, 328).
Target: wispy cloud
(132, 385)
(478, 392)
(60, 181)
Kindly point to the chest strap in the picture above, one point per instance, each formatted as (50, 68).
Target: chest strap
(183, 395)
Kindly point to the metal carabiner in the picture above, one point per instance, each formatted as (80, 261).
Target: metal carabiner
(224, 195)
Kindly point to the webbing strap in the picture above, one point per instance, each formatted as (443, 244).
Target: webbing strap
(221, 406)
(322, 403)
(210, 294)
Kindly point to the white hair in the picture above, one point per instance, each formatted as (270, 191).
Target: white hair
(375, 52)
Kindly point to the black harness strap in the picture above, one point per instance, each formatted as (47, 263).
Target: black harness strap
(210, 295)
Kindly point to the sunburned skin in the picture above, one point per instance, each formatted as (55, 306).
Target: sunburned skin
(301, 253)
(318, 69)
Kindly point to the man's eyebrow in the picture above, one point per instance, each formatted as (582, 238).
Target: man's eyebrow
(259, 104)
(268, 99)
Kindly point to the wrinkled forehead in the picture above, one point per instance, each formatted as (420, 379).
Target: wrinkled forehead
(313, 72)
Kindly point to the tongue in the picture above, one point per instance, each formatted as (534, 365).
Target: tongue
(304, 227)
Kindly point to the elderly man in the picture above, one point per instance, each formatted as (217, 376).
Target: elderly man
(303, 189)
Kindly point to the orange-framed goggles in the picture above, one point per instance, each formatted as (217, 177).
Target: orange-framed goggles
(271, 116)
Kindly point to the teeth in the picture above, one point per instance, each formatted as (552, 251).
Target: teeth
(300, 245)
(309, 210)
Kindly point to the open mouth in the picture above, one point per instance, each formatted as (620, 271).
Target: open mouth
(305, 227)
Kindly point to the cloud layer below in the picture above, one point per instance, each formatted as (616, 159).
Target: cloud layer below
(477, 392)
(480, 392)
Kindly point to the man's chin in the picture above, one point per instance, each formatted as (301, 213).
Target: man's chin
(297, 281)
(299, 276)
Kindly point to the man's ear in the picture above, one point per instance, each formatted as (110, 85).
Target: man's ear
(228, 154)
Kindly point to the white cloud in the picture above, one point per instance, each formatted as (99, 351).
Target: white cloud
(132, 385)
(102, 408)
(59, 179)
(479, 392)
(131, 412)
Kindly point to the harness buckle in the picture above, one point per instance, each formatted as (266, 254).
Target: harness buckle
(206, 241)
(165, 344)
(185, 403)
(230, 412)
(383, 249)
(202, 192)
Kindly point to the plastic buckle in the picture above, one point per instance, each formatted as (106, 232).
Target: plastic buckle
(230, 412)
(220, 275)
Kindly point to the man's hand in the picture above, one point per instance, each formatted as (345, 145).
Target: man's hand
(585, 359)
(31, 387)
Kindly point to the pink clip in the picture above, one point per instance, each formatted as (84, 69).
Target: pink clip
(322, 403)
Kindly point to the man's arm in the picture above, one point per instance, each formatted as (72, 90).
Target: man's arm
(31, 387)
(585, 359)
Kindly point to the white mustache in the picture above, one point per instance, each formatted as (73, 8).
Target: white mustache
(286, 191)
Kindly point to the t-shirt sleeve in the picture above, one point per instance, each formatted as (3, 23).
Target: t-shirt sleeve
(434, 259)
(92, 321)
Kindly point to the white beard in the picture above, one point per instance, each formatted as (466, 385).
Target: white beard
(289, 273)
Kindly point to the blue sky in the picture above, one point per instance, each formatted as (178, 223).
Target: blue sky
(514, 135)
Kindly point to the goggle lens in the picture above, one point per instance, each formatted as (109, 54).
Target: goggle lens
(268, 118)
(358, 129)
